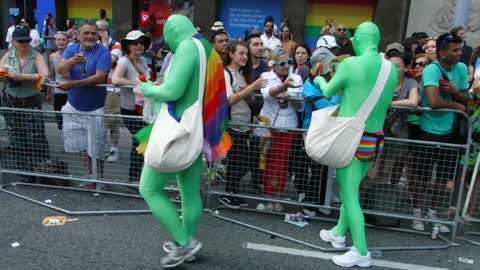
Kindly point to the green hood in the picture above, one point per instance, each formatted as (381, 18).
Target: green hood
(366, 38)
(177, 29)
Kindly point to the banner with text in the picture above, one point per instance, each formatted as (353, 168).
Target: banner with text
(248, 15)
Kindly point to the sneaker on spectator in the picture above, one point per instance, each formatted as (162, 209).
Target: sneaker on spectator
(353, 258)
(325, 211)
(337, 242)
(417, 224)
(168, 247)
(277, 207)
(112, 155)
(261, 207)
(432, 214)
(179, 254)
(101, 187)
(269, 206)
(241, 202)
(309, 211)
(229, 201)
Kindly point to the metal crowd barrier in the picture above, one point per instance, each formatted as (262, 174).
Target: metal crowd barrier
(32, 149)
(272, 167)
(471, 209)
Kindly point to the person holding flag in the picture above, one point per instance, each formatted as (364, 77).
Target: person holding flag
(22, 66)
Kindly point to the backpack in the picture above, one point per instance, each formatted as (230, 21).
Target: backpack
(386, 198)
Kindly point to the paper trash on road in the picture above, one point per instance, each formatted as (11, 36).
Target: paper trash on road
(297, 219)
(465, 260)
(16, 244)
(56, 220)
(48, 201)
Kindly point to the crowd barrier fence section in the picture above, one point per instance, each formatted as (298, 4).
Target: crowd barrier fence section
(267, 166)
(414, 180)
(471, 209)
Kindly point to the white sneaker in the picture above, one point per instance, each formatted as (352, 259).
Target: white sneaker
(353, 258)
(269, 206)
(337, 242)
(432, 214)
(113, 156)
(417, 224)
(277, 207)
(261, 207)
(325, 211)
(169, 246)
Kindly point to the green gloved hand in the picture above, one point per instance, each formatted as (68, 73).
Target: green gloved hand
(319, 81)
(147, 88)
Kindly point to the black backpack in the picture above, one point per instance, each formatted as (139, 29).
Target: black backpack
(386, 198)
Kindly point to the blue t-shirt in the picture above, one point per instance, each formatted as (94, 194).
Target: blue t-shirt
(441, 123)
(88, 98)
(310, 92)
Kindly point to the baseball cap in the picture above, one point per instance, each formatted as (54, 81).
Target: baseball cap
(21, 33)
(395, 46)
(327, 41)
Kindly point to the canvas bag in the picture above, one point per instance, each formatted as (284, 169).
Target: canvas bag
(333, 140)
(173, 145)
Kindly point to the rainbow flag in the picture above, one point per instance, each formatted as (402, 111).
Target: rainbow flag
(40, 84)
(217, 142)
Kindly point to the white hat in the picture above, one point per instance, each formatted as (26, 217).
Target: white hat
(217, 26)
(327, 41)
(134, 35)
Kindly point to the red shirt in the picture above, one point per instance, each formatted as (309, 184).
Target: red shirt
(145, 19)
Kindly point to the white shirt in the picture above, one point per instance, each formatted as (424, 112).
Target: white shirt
(239, 112)
(280, 118)
(9, 35)
(35, 38)
(271, 42)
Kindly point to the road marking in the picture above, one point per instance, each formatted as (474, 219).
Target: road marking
(328, 256)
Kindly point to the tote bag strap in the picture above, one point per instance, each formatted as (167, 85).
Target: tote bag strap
(372, 99)
(203, 69)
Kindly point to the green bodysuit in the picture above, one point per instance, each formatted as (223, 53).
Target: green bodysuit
(181, 87)
(356, 77)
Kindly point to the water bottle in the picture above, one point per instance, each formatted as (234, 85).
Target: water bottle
(435, 231)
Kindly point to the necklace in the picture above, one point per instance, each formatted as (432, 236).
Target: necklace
(83, 71)
(25, 63)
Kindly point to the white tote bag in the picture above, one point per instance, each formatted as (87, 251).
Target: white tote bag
(333, 140)
(174, 146)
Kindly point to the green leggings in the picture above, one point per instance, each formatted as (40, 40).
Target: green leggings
(164, 210)
(351, 215)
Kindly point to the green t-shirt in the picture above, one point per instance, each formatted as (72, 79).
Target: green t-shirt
(440, 123)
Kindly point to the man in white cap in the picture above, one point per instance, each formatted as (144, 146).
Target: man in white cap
(217, 26)
(328, 42)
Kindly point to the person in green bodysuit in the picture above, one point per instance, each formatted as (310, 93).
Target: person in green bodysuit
(181, 87)
(356, 77)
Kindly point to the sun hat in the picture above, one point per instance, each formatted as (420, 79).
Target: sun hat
(217, 26)
(135, 35)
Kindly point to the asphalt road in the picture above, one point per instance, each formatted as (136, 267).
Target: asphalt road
(134, 241)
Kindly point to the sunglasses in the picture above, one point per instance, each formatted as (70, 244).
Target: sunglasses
(269, 26)
(421, 64)
(341, 29)
(23, 41)
(283, 63)
(136, 42)
(285, 30)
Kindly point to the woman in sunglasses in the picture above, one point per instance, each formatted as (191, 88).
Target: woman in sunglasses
(128, 71)
(24, 65)
(282, 114)
(286, 38)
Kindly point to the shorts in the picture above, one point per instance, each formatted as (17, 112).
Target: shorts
(370, 147)
(112, 106)
(83, 132)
